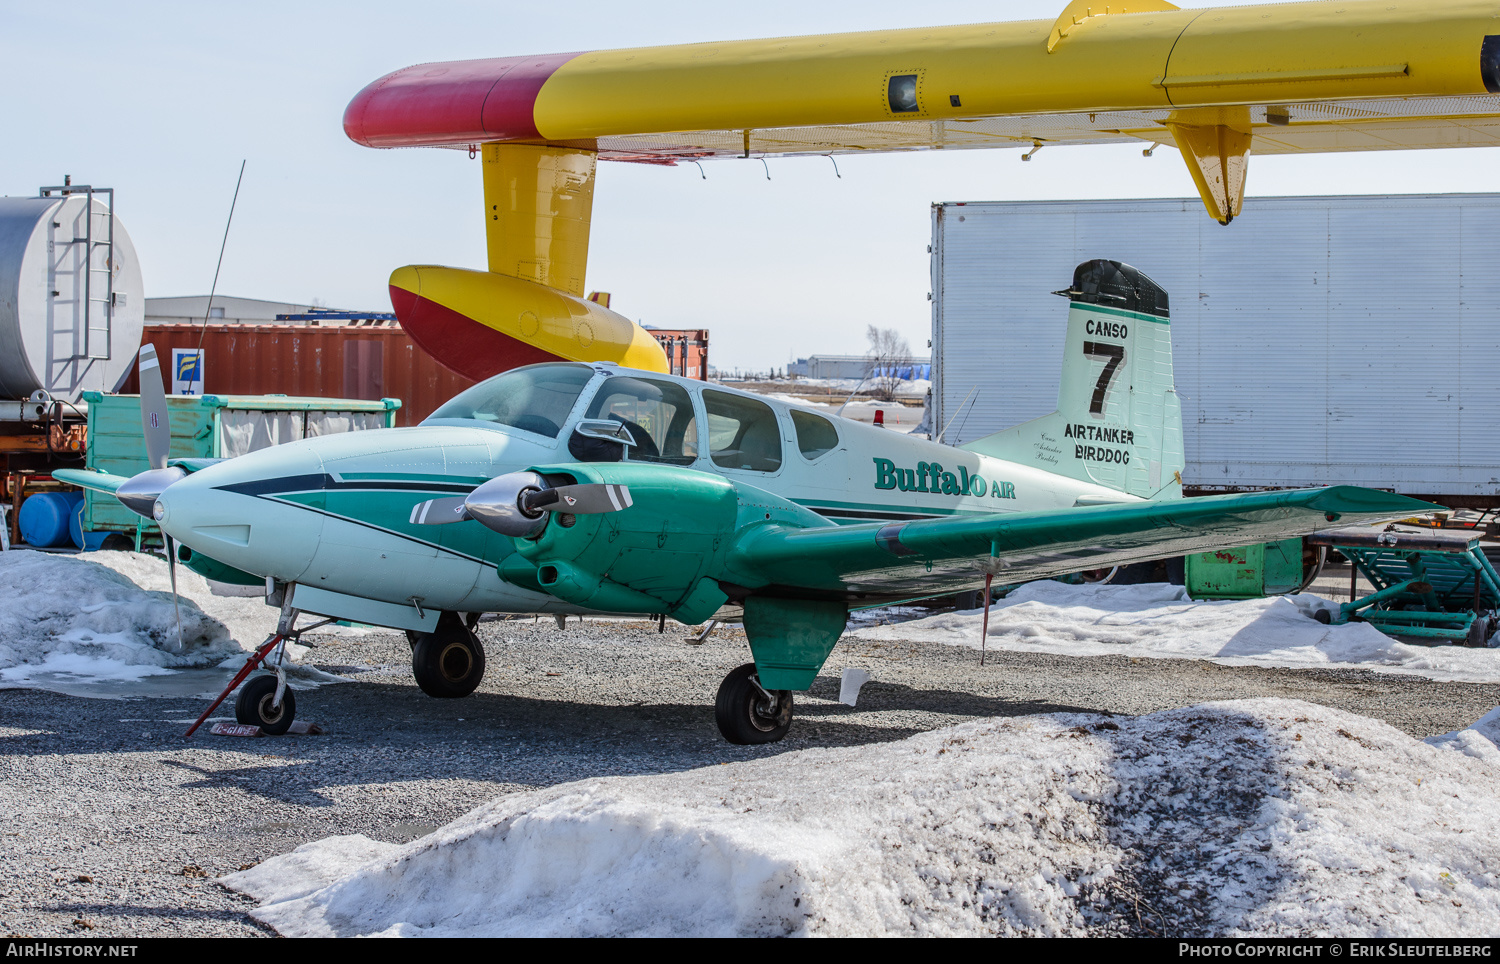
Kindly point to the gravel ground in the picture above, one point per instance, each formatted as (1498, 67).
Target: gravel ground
(111, 825)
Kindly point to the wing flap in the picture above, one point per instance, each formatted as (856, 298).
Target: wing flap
(928, 557)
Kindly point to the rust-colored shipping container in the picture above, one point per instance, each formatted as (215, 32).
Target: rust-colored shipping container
(687, 350)
(344, 361)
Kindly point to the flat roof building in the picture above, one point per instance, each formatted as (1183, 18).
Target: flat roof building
(229, 310)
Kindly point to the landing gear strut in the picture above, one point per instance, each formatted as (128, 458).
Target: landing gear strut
(448, 662)
(747, 714)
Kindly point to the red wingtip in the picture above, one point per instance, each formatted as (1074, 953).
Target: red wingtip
(452, 104)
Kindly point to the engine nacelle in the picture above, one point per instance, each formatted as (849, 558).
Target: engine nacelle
(657, 556)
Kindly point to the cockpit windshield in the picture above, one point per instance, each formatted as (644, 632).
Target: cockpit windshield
(537, 398)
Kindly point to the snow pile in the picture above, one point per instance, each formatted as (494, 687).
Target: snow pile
(1159, 620)
(910, 387)
(248, 618)
(1263, 817)
(89, 624)
(108, 618)
(1480, 739)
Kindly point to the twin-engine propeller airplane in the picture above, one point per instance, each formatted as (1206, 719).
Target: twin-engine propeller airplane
(1215, 83)
(572, 488)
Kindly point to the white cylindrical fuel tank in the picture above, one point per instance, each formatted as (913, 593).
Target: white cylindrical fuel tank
(71, 300)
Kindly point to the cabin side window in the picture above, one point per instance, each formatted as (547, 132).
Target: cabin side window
(816, 435)
(742, 433)
(658, 415)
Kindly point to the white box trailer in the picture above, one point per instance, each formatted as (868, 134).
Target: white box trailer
(1317, 340)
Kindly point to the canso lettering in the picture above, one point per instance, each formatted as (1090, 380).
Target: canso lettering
(1109, 329)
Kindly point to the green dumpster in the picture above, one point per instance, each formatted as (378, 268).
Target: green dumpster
(1248, 572)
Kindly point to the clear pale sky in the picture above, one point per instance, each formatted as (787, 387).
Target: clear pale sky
(161, 101)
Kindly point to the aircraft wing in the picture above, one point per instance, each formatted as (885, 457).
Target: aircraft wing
(922, 558)
(1215, 82)
(108, 484)
(89, 479)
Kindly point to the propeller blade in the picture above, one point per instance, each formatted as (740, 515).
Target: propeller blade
(172, 573)
(439, 512)
(154, 424)
(587, 499)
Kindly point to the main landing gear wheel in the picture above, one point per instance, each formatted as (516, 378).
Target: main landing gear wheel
(253, 708)
(448, 663)
(747, 714)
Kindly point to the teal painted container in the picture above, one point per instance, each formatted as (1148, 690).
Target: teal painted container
(1247, 572)
(205, 427)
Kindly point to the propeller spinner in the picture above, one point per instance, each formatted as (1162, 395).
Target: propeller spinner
(515, 504)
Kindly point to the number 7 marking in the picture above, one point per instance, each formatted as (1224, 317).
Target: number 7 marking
(1115, 354)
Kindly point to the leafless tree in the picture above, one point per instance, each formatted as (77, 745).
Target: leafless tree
(888, 353)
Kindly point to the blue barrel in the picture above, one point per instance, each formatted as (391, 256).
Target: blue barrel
(87, 541)
(45, 518)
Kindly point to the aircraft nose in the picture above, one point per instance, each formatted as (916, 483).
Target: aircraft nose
(230, 514)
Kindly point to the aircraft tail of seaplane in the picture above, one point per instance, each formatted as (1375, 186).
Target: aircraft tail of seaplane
(573, 488)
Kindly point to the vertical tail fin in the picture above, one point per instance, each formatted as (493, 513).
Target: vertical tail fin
(1118, 421)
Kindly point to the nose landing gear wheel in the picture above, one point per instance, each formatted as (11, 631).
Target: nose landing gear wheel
(448, 663)
(749, 715)
(254, 708)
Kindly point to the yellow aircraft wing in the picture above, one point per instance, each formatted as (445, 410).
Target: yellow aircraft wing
(1218, 83)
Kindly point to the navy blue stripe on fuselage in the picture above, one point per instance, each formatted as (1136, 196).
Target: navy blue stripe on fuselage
(273, 489)
(857, 515)
(326, 482)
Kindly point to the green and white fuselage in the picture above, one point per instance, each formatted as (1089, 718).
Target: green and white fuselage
(333, 512)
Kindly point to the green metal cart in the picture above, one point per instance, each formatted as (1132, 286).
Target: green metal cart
(1428, 584)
